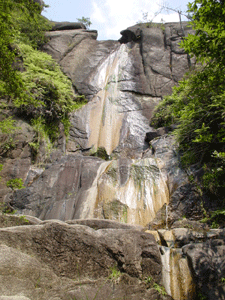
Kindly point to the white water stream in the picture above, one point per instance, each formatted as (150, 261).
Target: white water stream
(176, 274)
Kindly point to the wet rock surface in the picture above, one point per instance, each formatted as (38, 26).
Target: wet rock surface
(195, 252)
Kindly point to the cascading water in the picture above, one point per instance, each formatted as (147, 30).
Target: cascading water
(130, 189)
(105, 119)
(138, 189)
(116, 113)
(166, 217)
(176, 275)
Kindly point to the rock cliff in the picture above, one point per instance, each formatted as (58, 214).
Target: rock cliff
(113, 170)
(123, 82)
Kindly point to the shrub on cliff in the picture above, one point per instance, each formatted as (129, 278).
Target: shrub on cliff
(32, 83)
(20, 20)
(49, 94)
(197, 105)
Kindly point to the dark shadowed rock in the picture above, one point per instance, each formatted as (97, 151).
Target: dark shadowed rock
(207, 261)
(158, 132)
(184, 198)
(16, 155)
(67, 26)
(185, 202)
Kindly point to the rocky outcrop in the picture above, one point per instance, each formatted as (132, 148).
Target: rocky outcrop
(194, 252)
(158, 53)
(164, 61)
(67, 26)
(123, 81)
(16, 155)
(117, 78)
(132, 191)
(207, 260)
(113, 167)
(57, 260)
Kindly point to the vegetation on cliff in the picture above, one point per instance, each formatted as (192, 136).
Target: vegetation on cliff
(32, 84)
(197, 105)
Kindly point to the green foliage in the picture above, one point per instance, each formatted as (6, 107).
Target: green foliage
(7, 128)
(29, 23)
(197, 105)
(160, 289)
(49, 91)
(66, 123)
(7, 125)
(41, 130)
(102, 153)
(49, 95)
(20, 20)
(16, 183)
(201, 296)
(41, 93)
(213, 178)
(115, 273)
(23, 219)
(208, 19)
(85, 21)
(5, 209)
(148, 280)
(218, 216)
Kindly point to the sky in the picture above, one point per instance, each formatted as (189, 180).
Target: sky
(109, 17)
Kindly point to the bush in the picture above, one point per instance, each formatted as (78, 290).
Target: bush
(16, 183)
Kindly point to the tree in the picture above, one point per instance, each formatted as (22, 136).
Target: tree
(197, 105)
(208, 20)
(85, 21)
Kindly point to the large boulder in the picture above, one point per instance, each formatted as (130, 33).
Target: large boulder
(55, 260)
(207, 262)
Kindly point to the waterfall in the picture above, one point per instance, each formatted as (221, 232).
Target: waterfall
(132, 194)
(176, 275)
(166, 217)
(105, 118)
(116, 114)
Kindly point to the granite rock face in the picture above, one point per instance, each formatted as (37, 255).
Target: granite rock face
(113, 175)
(16, 155)
(164, 61)
(127, 190)
(207, 260)
(56, 260)
(124, 81)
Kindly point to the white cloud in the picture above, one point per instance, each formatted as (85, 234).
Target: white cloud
(109, 17)
(98, 14)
